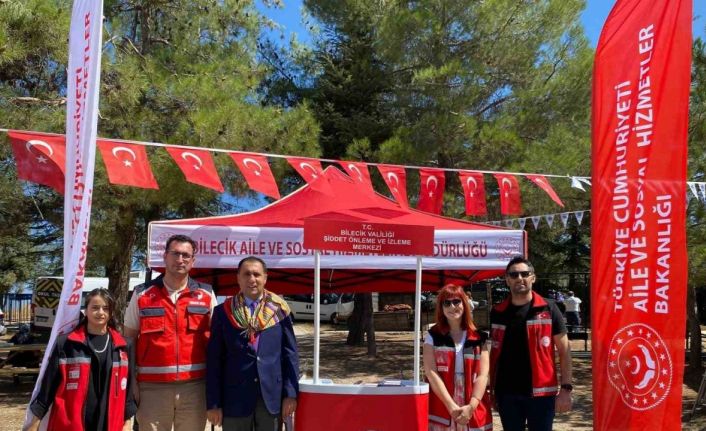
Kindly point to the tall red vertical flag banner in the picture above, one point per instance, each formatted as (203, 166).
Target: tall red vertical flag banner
(85, 40)
(639, 263)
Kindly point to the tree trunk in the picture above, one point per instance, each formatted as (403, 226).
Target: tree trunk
(118, 270)
(360, 323)
(694, 328)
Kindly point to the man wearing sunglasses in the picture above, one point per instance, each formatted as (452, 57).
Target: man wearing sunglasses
(525, 330)
(170, 318)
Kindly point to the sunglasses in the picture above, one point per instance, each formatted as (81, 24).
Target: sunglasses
(516, 274)
(449, 302)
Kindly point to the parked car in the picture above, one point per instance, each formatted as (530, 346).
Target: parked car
(333, 307)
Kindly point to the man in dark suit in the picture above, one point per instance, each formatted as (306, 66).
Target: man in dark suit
(252, 368)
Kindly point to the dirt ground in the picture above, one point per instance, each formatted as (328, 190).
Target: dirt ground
(345, 364)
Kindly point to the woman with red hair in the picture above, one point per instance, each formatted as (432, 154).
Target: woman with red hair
(456, 365)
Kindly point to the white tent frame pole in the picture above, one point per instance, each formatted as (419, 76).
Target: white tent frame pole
(417, 318)
(317, 313)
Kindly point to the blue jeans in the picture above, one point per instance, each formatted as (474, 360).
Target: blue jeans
(516, 410)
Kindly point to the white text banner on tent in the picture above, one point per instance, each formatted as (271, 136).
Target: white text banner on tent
(224, 246)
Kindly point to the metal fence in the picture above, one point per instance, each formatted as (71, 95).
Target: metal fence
(17, 308)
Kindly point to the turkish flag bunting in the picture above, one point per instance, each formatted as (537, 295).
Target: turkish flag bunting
(396, 181)
(127, 164)
(309, 169)
(197, 166)
(431, 190)
(358, 171)
(257, 173)
(509, 194)
(40, 159)
(544, 184)
(474, 191)
(639, 260)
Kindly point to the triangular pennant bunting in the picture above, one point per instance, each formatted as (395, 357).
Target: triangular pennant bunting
(564, 219)
(535, 221)
(522, 222)
(550, 219)
(579, 216)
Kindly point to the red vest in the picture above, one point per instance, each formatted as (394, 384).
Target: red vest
(445, 357)
(540, 342)
(173, 338)
(67, 410)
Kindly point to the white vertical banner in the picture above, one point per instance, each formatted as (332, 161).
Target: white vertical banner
(85, 42)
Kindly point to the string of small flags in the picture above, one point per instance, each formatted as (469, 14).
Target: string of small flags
(565, 217)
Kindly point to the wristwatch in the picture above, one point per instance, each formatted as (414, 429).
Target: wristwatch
(567, 387)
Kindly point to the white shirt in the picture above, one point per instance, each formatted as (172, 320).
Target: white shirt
(572, 303)
(132, 314)
(458, 365)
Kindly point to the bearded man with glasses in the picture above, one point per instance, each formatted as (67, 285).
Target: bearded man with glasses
(525, 330)
(170, 319)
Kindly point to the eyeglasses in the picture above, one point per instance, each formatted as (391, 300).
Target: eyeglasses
(449, 302)
(516, 274)
(178, 254)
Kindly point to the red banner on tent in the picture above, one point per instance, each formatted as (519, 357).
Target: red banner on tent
(431, 190)
(40, 158)
(127, 164)
(639, 263)
(369, 238)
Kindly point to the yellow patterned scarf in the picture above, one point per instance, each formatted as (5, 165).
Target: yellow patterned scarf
(270, 311)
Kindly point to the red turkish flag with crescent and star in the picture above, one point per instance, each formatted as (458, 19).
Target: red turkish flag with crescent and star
(474, 191)
(309, 169)
(257, 173)
(396, 181)
(197, 166)
(40, 158)
(509, 194)
(639, 261)
(127, 164)
(431, 190)
(544, 184)
(358, 171)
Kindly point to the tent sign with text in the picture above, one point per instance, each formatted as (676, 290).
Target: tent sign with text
(639, 261)
(362, 237)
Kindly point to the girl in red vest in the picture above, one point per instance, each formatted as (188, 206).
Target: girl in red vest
(87, 379)
(456, 365)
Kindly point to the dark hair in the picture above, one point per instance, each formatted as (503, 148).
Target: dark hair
(180, 238)
(253, 259)
(452, 291)
(519, 259)
(108, 298)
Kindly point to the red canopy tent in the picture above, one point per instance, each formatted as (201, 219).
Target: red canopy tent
(464, 252)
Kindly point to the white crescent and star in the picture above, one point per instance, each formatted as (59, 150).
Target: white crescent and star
(469, 180)
(255, 162)
(354, 168)
(509, 183)
(433, 179)
(38, 143)
(305, 165)
(393, 176)
(117, 150)
(186, 155)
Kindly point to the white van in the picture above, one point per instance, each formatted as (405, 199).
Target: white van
(334, 307)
